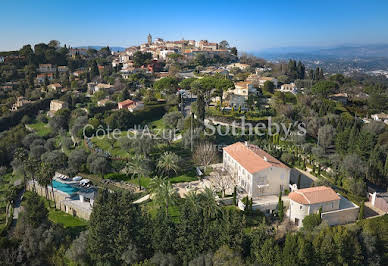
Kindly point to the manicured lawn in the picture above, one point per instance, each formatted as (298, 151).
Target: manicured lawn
(112, 146)
(67, 220)
(41, 128)
(145, 181)
(183, 178)
(157, 124)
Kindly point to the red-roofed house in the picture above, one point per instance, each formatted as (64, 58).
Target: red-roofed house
(256, 171)
(41, 78)
(335, 209)
(130, 105)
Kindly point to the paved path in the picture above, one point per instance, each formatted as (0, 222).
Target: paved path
(146, 197)
(17, 206)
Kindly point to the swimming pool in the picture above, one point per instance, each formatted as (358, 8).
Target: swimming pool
(64, 187)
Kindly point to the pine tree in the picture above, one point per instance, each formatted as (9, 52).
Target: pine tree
(353, 136)
(124, 95)
(289, 255)
(305, 251)
(102, 226)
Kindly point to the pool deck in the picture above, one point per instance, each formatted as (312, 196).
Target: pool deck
(69, 182)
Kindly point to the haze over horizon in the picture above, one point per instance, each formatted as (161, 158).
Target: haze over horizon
(250, 25)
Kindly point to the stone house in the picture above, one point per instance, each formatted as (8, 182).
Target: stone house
(335, 209)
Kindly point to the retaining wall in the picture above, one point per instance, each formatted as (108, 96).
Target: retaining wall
(343, 216)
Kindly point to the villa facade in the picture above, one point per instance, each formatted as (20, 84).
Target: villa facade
(256, 172)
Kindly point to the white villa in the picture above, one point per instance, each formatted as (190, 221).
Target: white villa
(289, 88)
(335, 208)
(258, 174)
(380, 117)
(243, 88)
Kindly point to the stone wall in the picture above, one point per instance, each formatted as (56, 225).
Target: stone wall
(343, 216)
(62, 201)
(381, 204)
(41, 191)
(305, 181)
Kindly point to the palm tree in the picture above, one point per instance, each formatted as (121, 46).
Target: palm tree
(209, 203)
(50, 170)
(192, 198)
(155, 184)
(164, 193)
(138, 166)
(31, 167)
(45, 176)
(168, 163)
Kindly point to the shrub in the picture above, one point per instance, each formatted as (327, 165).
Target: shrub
(311, 221)
(116, 176)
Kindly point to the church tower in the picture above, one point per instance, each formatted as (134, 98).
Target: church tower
(149, 38)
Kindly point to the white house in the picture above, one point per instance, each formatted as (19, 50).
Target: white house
(237, 65)
(335, 209)
(164, 53)
(257, 172)
(130, 105)
(47, 68)
(380, 117)
(289, 88)
(94, 87)
(243, 88)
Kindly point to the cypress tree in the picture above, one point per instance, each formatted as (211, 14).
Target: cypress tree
(56, 73)
(361, 213)
(280, 207)
(94, 69)
(235, 196)
(386, 166)
(298, 183)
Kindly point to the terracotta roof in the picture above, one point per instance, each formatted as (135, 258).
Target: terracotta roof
(313, 195)
(267, 78)
(56, 85)
(126, 102)
(272, 160)
(381, 116)
(252, 158)
(242, 83)
(339, 95)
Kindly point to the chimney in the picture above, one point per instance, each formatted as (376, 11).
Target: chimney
(265, 159)
(246, 143)
(373, 198)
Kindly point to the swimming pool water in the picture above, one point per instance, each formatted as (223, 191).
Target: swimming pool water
(64, 187)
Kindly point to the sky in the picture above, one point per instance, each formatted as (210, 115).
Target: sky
(248, 25)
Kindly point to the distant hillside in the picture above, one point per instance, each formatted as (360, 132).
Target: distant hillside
(344, 52)
(98, 47)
